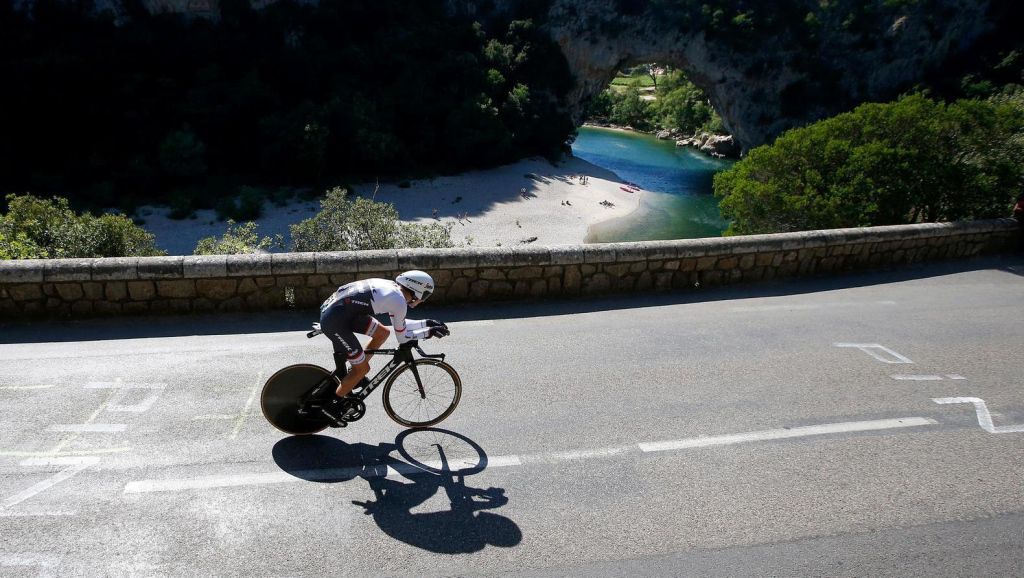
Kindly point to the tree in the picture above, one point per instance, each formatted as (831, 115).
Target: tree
(881, 164)
(363, 224)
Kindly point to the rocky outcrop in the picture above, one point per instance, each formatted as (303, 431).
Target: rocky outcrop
(788, 77)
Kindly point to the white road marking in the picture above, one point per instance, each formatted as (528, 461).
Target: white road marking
(43, 514)
(215, 416)
(396, 468)
(248, 405)
(984, 417)
(88, 427)
(122, 390)
(44, 560)
(75, 465)
(778, 434)
(917, 377)
(54, 453)
(9, 387)
(955, 376)
(806, 306)
(873, 350)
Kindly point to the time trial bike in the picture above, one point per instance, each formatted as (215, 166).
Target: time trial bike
(418, 392)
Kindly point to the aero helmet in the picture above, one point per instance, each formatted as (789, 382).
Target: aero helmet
(419, 283)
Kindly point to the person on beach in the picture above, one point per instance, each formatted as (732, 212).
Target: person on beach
(350, 310)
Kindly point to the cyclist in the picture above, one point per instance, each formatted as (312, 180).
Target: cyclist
(350, 310)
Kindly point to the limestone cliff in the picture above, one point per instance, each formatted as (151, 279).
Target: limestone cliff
(762, 84)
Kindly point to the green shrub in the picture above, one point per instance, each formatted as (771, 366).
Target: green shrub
(238, 240)
(881, 164)
(362, 224)
(48, 228)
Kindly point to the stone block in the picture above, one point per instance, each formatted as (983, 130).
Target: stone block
(530, 256)
(459, 289)
(115, 291)
(107, 308)
(638, 267)
(645, 281)
(141, 291)
(92, 291)
(62, 270)
(249, 265)
(216, 289)
(616, 269)
(478, 289)
(442, 277)
(115, 269)
(336, 262)
(180, 289)
(81, 308)
(500, 289)
(422, 259)
(691, 248)
(573, 280)
(492, 274)
(161, 267)
(706, 263)
(25, 292)
(204, 266)
(521, 273)
(727, 263)
(22, 271)
(598, 283)
(70, 291)
(377, 261)
(343, 279)
(135, 307)
(554, 285)
(538, 288)
(566, 254)
(318, 281)
(293, 263)
(598, 253)
(456, 258)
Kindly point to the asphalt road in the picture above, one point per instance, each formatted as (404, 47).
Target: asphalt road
(865, 426)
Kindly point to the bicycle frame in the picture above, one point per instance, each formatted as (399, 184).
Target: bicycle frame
(401, 356)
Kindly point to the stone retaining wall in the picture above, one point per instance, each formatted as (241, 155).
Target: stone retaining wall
(134, 285)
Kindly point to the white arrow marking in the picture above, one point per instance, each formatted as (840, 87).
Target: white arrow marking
(984, 418)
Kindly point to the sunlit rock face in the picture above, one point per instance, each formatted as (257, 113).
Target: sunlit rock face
(782, 79)
(815, 61)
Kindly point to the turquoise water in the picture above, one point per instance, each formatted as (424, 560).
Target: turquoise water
(677, 202)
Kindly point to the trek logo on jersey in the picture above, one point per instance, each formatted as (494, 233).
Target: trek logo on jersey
(349, 300)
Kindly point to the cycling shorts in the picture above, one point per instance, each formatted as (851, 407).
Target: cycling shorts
(340, 324)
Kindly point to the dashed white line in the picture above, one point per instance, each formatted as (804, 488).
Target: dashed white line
(10, 387)
(88, 427)
(875, 350)
(396, 468)
(917, 377)
(778, 434)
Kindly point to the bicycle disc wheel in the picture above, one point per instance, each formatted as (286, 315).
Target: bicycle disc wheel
(281, 395)
(426, 401)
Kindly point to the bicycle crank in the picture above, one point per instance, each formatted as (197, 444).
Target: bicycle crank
(354, 411)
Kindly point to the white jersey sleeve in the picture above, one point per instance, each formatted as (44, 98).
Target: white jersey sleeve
(388, 298)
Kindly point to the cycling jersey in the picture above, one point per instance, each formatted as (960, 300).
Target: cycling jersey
(351, 308)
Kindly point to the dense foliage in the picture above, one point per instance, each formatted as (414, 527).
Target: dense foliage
(677, 105)
(34, 228)
(344, 224)
(881, 164)
(185, 110)
(238, 240)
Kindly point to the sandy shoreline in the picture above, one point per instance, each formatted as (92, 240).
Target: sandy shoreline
(486, 208)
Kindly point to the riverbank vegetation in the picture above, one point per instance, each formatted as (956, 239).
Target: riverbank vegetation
(676, 104)
(186, 112)
(908, 161)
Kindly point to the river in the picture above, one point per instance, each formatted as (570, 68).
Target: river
(677, 202)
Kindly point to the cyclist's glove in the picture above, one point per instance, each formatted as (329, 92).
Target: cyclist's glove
(439, 331)
(436, 323)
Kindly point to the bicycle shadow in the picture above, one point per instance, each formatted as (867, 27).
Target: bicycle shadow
(402, 485)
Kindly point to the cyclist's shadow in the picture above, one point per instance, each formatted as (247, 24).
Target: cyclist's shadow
(461, 529)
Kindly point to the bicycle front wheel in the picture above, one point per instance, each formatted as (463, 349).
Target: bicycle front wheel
(422, 393)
